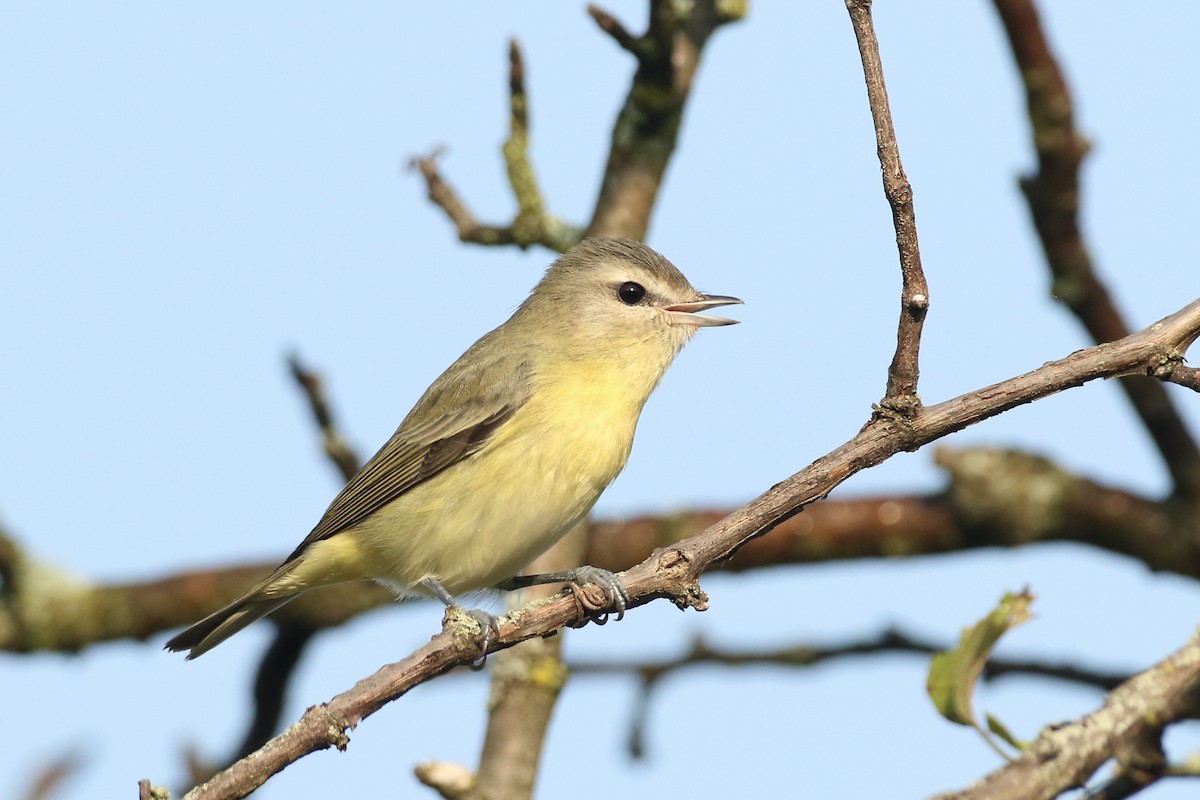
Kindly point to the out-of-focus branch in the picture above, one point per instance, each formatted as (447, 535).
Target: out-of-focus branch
(50, 777)
(270, 684)
(1128, 727)
(702, 653)
(532, 223)
(51, 611)
(647, 127)
(994, 498)
(279, 661)
(147, 791)
(901, 396)
(1053, 197)
(271, 681)
(343, 456)
(673, 573)
(526, 681)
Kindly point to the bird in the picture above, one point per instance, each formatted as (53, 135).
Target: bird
(504, 452)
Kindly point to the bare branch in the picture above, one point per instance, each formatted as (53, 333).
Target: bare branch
(1053, 197)
(1188, 377)
(647, 128)
(613, 27)
(340, 453)
(270, 684)
(672, 573)
(450, 780)
(532, 223)
(703, 653)
(147, 791)
(526, 682)
(994, 498)
(901, 395)
(803, 656)
(440, 194)
(49, 778)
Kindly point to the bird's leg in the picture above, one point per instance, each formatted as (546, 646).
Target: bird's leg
(614, 590)
(489, 626)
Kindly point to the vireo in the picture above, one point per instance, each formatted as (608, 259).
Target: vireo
(507, 450)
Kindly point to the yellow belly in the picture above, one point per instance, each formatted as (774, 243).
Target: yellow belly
(484, 519)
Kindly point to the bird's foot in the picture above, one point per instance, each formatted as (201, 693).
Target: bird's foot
(489, 625)
(616, 596)
(489, 630)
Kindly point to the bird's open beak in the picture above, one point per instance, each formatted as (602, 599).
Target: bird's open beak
(685, 313)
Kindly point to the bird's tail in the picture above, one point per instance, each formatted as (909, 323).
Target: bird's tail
(220, 625)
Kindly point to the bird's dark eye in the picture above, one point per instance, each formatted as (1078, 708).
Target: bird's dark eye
(631, 293)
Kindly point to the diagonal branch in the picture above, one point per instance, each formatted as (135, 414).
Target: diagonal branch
(901, 395)
(673, 573)
(1053, 197)
(1128, 727)
(340, 453)
(647, 128)
(994, 498)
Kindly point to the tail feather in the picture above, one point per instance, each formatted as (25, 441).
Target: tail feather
(220, 625)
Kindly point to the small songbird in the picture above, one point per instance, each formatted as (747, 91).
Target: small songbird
(507, 450)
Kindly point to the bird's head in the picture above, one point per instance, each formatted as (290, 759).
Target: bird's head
(609, 296)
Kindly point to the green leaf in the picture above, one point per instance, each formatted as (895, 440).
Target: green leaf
(1000, 729)
(954, 673)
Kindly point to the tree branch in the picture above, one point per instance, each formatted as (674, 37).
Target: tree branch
(532, 223)
(672, 573)
(901, 396)
(1128, 727)
(1053, 197)
(343, 456)
(994, 498)
(802, 656)
(647, 127)
(49, 778)
(526, 682)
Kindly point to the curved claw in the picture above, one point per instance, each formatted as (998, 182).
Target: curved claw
(614, 591)
(489, 631)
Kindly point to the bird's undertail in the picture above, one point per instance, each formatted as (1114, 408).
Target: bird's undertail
(220, 625)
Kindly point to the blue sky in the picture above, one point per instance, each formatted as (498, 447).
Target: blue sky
(192, 191)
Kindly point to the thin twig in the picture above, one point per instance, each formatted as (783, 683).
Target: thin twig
(613, 27)
(532, 224)
(49, 778)
(901, 396)
(340, 453)
(1188, 377)
(440, 194)
(702, 653)
(1053, 197)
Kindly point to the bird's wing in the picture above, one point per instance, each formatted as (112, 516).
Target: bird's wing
(451, 422)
